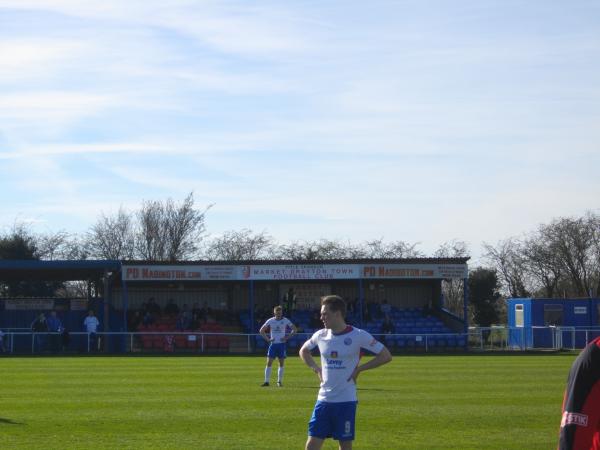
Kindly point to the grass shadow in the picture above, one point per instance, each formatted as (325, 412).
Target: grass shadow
(9, 421)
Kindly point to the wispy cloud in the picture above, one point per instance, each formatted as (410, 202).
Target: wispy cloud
(403, 119)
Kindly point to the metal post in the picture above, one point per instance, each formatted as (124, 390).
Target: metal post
(426, 344)
(131, 343)
(32, 343)
(586, 337)
(465, 304)
(361, 300)
(88, 342)
(251, 301)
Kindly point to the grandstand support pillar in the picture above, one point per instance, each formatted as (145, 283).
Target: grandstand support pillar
(361, 300)
(107, 294)
(466, 304)
(251, 301)
(125, 295)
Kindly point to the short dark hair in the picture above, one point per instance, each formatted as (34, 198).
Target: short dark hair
(334, 303)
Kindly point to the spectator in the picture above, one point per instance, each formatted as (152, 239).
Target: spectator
(91, 324)
(196, 322)
(387, 328)
(366, 313)
(39, 325)
(171, 309)
(206, 311)
(153, 308)
(65, 339)
(427, 308)
(352, 305)
(385, 308)
(315, 321)
(196, 309)
(290, 302)
(134, 320)
(148, 319)
(54, 326)
(184, 321)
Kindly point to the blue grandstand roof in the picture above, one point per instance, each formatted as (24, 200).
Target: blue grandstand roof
(56, 269)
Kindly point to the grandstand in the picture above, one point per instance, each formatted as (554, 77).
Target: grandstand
(219, 306)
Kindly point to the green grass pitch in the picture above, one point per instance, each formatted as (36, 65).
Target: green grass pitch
(415, 402)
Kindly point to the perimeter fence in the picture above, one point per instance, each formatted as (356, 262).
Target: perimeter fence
(21, 341)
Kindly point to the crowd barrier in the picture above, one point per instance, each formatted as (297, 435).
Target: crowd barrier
(477, 339)
(531, 338)
(21, 342)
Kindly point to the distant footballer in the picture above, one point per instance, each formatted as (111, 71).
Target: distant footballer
(280, 330)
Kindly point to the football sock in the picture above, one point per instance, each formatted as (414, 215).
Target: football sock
(267, 374)
(280, 375)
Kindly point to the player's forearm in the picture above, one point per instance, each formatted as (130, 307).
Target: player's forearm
(383, 357)
(307, 358)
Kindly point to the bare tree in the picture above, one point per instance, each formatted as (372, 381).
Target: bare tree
(378, 248)
(594, 224)
(336, 249)
(170, 232)
(113, 236)
(453, 289)
(507, 259)
(573, 241)
(239, 246)
(311, 250)
(540, 260)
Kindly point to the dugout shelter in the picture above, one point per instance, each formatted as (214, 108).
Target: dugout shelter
(97, 280)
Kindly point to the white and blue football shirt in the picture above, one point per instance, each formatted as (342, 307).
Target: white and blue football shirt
(278, 328)
(340, 354)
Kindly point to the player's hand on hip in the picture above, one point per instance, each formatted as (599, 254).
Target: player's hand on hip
(319, 372)
(354, 375)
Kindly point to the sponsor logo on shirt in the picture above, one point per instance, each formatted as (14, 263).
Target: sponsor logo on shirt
(574, 419)
(335, 364)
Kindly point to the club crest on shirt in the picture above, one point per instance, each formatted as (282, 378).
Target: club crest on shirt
(347, 341)
(334, 354)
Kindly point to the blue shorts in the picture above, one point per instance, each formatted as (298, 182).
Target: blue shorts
(333, 420)
(276, 351)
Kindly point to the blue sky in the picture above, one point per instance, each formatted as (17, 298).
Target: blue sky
(422, 121)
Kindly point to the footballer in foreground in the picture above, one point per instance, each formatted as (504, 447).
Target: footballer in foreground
(340, 346)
